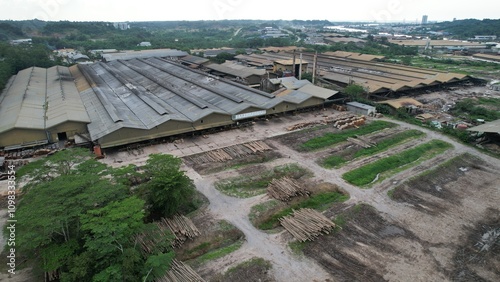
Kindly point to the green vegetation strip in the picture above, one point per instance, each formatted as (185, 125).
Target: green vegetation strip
(218, 253)
(366, 174)
(249, 186)
(319, 202)
(338, 161)
(333, 138)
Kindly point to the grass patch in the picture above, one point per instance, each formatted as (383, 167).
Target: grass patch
(297, 247)
(319, 202)
(259, 262)
(333, 138)
(396, 139)
(249, 186)
(366, 174)
(218, 253)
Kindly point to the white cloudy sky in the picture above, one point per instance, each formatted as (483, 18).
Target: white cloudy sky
(164, 10)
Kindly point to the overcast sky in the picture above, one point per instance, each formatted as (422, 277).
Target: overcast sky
(164, 10)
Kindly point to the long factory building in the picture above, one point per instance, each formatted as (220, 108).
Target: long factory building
(126, 101)
(377, 77)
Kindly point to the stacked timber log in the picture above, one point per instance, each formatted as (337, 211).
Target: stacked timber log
(305, 125)
(349, 122)
(182, 227)
(359, 142)
(339, 108)
(285, 188)
(230, 153)
(152, 238)
(307, 224)
(180, 272)
(179, 228)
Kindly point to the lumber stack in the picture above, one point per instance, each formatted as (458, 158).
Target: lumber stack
(285, 188)
(179, 227)
(180, 272)
(151, 239)
(303, 125)
(359, 142)
(307, 224)
(182, 227)
(349, 121)
(230, 153)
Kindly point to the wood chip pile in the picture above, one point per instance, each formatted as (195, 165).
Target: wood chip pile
(180, 272)
(307, 224)
(285, 188)
(231, 152)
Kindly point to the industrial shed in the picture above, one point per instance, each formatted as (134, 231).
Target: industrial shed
(39, 106)
(127, 101)
(141, 99)
(245, 75)
(360, 108)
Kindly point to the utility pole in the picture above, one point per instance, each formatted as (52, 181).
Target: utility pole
(300, 67)
(314, 66)
(293, 64)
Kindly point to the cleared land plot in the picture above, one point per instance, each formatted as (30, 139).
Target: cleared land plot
(217, 239)
(323, 136)
(255, 269)
(254, 180)
(352, 151)
(330, 139)
(231, 157)
(265, 216)
(385, 167)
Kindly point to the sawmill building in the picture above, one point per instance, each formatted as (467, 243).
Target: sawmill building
(126, 101)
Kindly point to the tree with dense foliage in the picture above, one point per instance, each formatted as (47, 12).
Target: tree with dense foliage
(169, 189)
(80, 219)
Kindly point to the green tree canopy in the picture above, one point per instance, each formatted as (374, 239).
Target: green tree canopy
(169, 189)
(82, 223)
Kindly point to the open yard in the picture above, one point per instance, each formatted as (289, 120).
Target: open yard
(434, 218)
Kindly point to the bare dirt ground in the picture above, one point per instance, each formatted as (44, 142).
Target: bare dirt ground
(388, 240)
(420, 237)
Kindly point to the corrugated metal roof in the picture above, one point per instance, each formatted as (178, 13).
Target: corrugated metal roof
(128, 55)
(241, 72)
(398, 103)
(41, 98)
(491, 127)
(117, 98)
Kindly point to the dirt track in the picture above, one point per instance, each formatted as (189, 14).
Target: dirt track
(413, 250)
(417, 242)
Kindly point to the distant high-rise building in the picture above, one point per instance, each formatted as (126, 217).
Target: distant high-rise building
(424, 19)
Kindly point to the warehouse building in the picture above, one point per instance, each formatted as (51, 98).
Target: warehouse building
(128, 101)
(40, 106)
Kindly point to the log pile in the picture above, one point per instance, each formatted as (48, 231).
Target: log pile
(285, 188)
(182, 227)
(359, 142)
(230, 153)
(303, 125)
(151, 239)
(180, 272)
(339, 108)
(307, 224)
(179, 227)
(349, 122)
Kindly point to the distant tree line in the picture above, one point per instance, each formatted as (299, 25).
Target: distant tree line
(468, 28)
(16, 58)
